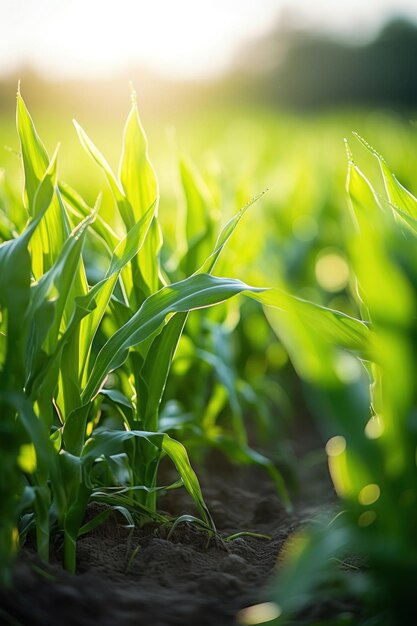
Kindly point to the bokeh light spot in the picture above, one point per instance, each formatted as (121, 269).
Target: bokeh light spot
(259, 614)
(332, 272)
(336, 446)
(374, 428)
(369, 494)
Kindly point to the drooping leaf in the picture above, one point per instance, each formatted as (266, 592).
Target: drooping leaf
(106, 443)
(198, 291)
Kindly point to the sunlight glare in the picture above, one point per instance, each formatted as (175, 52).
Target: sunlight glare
(181, 40)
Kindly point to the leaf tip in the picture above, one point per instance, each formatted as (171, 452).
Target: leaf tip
(133, 94)
(348, 152)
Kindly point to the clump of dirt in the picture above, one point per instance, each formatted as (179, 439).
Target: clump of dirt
(141, 577)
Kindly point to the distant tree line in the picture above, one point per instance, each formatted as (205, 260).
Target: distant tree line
(318, 72)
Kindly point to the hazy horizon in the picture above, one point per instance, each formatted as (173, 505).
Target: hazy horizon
(188, 40)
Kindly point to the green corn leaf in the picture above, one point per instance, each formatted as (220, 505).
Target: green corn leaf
(134, 194)
(124, 252)
(224, 236)
(74, 429)
(178, 455)
(34, 156)
(195, 292)
(140, 185)
(14, 297)
(203, 290)
(15, 270)
(54, 228)
(122, 404)
(334, 327)
(60, 278)
(377, 252)
(198, 203)
(198, 221)
(7, 228)
(371, 257)
(154, 373)
(310, 560)
(34, 428)
(103, 516)
(106, 443)
(136, 173)
(128, 489)
(134, 507)
(51, 309)
(99, 294)
(398, 195)
(312, 333)
(148, 263)
(125, 209)
(68, 397)
(132, 243)
(117, 397)
(45, 378)
(80, 209)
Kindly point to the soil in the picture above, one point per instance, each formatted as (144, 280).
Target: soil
(140, 578)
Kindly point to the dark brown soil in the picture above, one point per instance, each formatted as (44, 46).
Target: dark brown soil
(142, 578)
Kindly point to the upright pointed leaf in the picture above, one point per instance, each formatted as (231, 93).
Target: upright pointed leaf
(125, 209)
(136, 173)
(398, 195)
(34, 155)
(54, 228)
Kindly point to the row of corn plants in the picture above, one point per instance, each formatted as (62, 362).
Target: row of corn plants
(53, 375)
(368, 551)
(84, 363)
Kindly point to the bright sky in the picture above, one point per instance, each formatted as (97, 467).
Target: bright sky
(180, 38)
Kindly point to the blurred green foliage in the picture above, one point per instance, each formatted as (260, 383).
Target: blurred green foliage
(372, 455)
